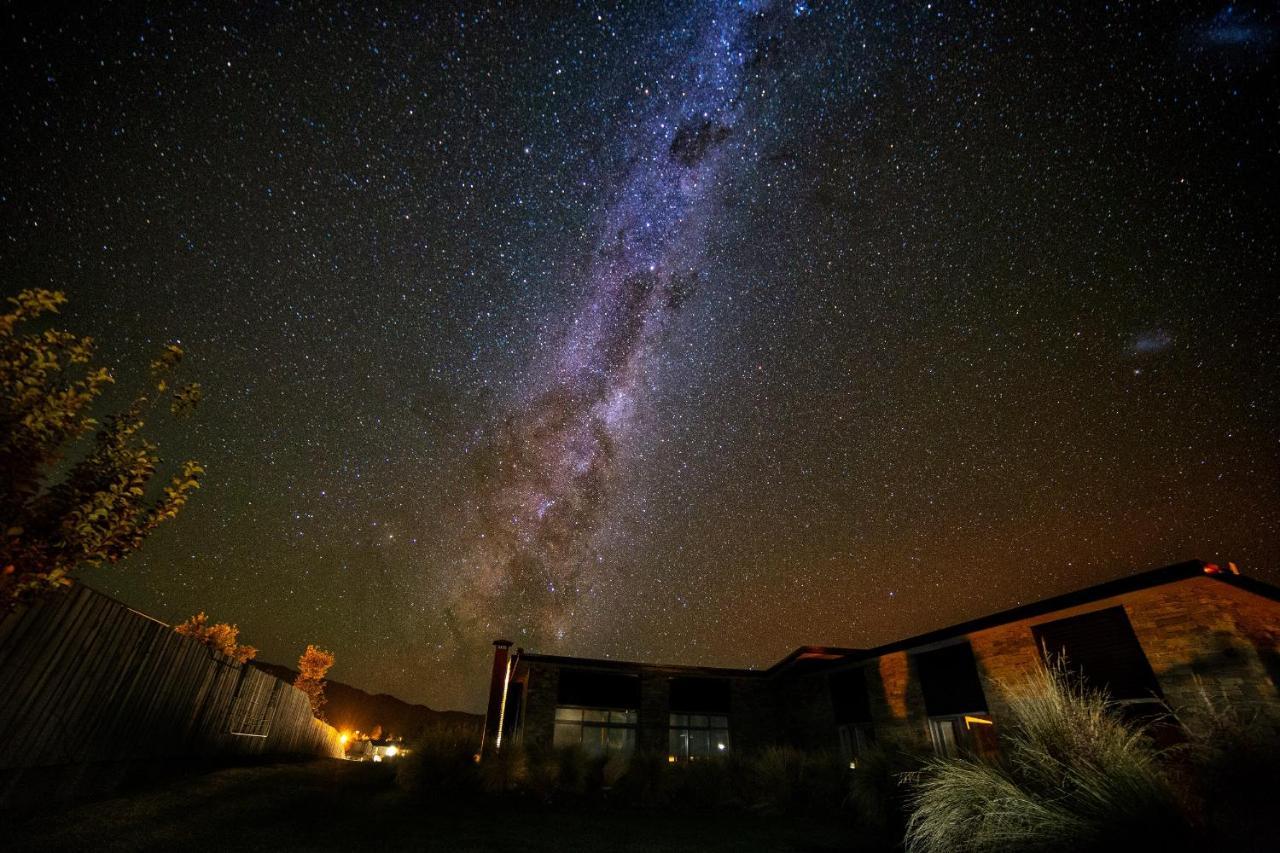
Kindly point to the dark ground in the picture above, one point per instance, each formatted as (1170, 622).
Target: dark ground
(341, 805)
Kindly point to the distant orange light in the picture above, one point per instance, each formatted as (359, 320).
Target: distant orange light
(1212, 569)
(344, 737)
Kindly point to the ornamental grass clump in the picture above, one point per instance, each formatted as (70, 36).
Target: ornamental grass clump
(879, 791)
(1233, 770)
(441, 765)
(1073, 775)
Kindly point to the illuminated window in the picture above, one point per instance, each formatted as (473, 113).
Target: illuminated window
(596, 730)
(964, 734)
(698, 735)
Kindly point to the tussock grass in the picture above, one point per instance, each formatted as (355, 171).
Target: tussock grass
(1232, 770)
(778, 781)
(441, 764)
(1073, 775)
(880, 791)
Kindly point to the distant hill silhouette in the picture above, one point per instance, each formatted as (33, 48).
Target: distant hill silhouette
(350, 709)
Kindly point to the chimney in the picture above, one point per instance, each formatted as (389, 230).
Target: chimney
(497, 680)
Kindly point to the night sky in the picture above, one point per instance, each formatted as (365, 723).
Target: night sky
(665, 332)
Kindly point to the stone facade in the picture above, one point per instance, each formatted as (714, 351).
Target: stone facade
(540, 682)
(1202, 635)
(1206, 639)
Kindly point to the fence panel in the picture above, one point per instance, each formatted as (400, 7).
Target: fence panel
(87, 682)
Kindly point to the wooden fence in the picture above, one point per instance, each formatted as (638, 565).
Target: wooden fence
(86, 682)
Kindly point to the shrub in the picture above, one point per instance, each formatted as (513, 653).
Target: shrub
(1074, 775)
(441, 765)
(571, 772)
(700, 786)
(785, 780)
(878, 795)
(645, 783)
(1233, 769)
(504, 771)
(543, 777)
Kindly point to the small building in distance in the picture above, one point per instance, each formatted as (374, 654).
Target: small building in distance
(1162, 638)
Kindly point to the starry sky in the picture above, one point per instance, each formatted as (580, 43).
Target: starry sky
(664, 331)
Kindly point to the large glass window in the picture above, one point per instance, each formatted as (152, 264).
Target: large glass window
(851, 705)
(698, 736)
(958, 719)
(596, 730)
(949, 680)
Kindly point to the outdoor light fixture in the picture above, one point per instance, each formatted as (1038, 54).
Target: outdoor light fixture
(502, 709)
(391, 751)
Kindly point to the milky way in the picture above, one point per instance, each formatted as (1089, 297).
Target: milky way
(554, 459)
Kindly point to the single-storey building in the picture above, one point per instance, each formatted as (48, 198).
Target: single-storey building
(1152, 640)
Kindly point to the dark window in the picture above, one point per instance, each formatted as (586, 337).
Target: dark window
(1102, 645)
(849, 699)
(587, 688)
(855, 740)
(708, 695)
(949, 679)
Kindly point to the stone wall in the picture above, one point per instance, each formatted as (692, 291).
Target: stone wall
(541, 684)
(895, 699)
(808, 721)
(753, 715)
(655, 710)
(1196, 632)
(1202, 638)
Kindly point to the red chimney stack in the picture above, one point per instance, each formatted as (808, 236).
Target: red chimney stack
(497, 680)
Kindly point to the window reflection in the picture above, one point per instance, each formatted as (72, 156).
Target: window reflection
(692, 736)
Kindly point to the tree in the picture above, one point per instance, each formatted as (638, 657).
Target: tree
(64, 504)
(219, 636)
(312, 667)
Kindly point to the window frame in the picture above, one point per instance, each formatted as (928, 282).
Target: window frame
(687, 728)
(630, 723)
(855, 739)
(971, 734)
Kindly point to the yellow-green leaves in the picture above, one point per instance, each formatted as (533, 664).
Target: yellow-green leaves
(58, 516)
(220, 636)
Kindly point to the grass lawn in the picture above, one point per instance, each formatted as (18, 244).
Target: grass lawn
(341, 805)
